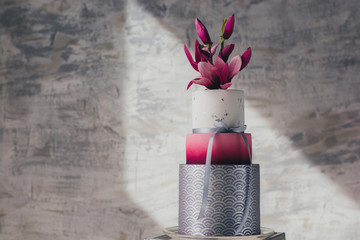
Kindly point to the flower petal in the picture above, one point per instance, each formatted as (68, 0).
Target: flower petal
(224, 75)
(204, 82)
(229, 27)
(226, 85)
(197, 51)
(225, 53)
(191, 82)
(188, 55)
(219, 65)
(206, 70)
(213, 49)
(234, 66)
(245, 58)
(205, 56)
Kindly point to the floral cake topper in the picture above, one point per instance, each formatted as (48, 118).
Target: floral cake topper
(218, 73)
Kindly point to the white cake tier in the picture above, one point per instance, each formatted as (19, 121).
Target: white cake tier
(211, 105)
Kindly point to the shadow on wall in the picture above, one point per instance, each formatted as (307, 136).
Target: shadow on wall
(61, 129)
(303, 76)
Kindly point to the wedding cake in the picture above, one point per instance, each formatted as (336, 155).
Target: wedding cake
(219, 186)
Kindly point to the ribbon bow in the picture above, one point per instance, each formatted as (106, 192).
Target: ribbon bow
(220, 127)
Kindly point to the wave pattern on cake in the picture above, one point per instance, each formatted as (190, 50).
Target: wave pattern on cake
(227, 198)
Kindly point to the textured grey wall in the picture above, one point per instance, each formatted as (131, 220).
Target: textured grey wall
(94, 112)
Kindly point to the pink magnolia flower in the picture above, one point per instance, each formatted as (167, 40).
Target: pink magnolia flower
(218, 75)
(229, 27)
(202, 32)
(207, 78)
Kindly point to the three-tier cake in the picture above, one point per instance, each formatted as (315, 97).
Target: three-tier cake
(219, 186)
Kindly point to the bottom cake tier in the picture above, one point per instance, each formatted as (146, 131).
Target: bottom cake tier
(233, 200)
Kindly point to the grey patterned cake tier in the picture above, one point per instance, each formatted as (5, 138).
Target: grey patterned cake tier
(227, 200)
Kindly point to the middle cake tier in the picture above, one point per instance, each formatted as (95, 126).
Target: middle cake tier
(228, 148)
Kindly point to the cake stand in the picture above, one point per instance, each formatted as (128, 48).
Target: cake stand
(171, 233)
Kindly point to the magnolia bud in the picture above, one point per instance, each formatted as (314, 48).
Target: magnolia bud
(202, 32)
(245, 58)
(227, 51)
(229, 27)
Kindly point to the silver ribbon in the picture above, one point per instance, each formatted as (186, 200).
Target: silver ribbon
(221, 127)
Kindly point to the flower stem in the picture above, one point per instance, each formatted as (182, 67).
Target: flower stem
(222, 46)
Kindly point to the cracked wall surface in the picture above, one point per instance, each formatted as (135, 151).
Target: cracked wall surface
(94, 112)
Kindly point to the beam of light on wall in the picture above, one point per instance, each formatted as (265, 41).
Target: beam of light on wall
(157, 115)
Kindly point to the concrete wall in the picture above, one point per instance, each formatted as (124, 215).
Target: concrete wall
(94, 112)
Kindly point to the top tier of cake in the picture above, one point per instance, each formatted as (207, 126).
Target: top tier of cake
(210, 105)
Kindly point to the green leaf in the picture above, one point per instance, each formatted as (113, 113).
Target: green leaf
(223, 26)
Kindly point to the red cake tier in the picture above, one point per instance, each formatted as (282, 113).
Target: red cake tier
(228, 148)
